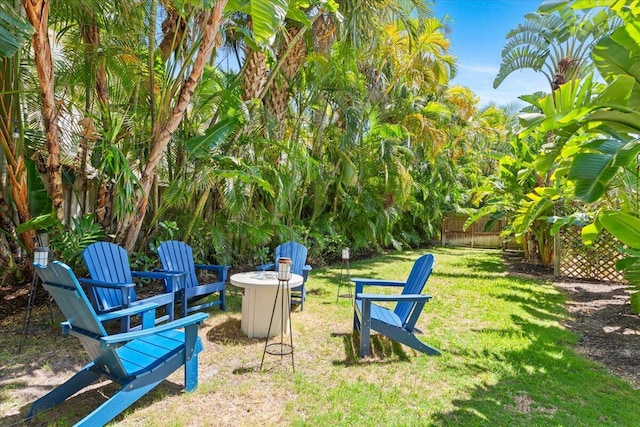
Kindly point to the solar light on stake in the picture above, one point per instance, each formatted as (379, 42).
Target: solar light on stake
(41, 256)
(284, 269)
(345, 263)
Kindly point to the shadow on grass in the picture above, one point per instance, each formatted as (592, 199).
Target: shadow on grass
(544, 382)
(40, 347)
(383, 350)
(229, 333)
(79, 406)
(487, 266)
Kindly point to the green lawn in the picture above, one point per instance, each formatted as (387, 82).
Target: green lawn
(506, 361)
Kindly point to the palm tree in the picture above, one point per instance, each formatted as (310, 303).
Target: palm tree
(558, 44)
(209, 22)
(291, 55)
(15, 162)
(14, 29)
(37, 11)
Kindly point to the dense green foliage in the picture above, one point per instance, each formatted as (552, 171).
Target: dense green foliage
(580, 144)
(320, 132)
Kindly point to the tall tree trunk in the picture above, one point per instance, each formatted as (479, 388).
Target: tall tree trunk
(13, 149)
(37, 12)
(291, 55)
(324, 33)
(91, 37)
(165, 126)
(6, 225)
(174, 27)
(255, 74)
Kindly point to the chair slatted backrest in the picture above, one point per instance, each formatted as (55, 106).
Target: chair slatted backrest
(62, 284)
(108, 262)
(178, 256)
(415, 284)
(296, 251)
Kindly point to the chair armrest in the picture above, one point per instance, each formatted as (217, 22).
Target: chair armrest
(100, 284)
(266, 267)
(377, 282)
(223, 270)
(362, 282)
(305, 272)
(157, 274)
(125, 312)
(126, 289)
(172, 278)
(394, 298)
(114, 340)
(163, 271)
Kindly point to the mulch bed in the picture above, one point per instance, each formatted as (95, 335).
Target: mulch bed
(600, 314)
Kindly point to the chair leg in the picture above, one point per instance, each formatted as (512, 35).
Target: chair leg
(170, 311)
(296, 297)
(223, 300)
(125, 397)
(191, 358)
(365, 329)
(412, 341)
(356, 320)
(191, 374)
(80, 380)
(183, 303)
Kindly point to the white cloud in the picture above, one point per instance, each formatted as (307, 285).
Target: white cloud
(479, 78)
(464, 69)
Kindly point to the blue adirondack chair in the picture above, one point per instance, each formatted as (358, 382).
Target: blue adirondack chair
(397, 324)
(177, 256)
(112, 286)
(298, 254)
(138, 361)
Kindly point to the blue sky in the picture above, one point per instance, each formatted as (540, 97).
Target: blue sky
(478, 30)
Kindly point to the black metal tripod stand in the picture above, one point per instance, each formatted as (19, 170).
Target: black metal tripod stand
(280, 348)
(33, 290)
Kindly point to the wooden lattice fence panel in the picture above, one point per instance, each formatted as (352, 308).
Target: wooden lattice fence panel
(596, 262)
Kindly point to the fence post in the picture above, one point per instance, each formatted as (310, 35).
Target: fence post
(443, 230)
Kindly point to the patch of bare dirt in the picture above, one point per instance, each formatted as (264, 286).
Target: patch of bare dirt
(13, 299)
(600, 314)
